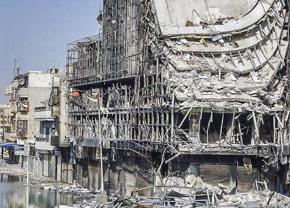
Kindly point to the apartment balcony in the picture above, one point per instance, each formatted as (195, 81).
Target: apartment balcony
(14, 108)
(8, 90)
(54, 140)
(43, 115)
(23, 106)
(23, 92)
(12, 86)
(63, 142)
(11, 136)
(43, 143)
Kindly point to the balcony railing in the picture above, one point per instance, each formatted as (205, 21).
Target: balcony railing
(43, 138)
(53, 140)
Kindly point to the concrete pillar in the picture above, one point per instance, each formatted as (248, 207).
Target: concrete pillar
(39, 165)
(35, 170)
(59, 168)
(78, 173)
(130, 180)
(25, 162)
(91, 178)
(45, 165)
(194, 169)
(70, 174)
(233, 176)
(97, 177)
(52, 166)
(141, 183)
(21, 161)
(64, 172)
(115, 183)
(230, 130)
(85, 174)
(194, 124)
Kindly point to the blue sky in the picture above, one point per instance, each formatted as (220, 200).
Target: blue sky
(36, 32)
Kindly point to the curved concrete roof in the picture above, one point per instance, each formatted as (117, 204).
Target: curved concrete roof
(236, 15)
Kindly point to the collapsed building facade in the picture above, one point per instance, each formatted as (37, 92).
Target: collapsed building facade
(174, 89)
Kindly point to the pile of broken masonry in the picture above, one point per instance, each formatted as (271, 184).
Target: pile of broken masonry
(195, 194)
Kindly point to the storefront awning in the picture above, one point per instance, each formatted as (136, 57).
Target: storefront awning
(8, 145)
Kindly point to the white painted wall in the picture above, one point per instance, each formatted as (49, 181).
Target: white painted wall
(40, 79)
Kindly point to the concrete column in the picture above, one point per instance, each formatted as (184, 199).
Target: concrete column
(25, 162)
(86, 180)
(91, 177)
(64, 172)
(233, 175)
(194, 124)
(114, 178)
(230, 130)
(194, 169)
(39, 165)
(70, 174)
(52, 166)
(21, 161)
(79, 177)
(35, 170)
(45, 165)
(130, 180)
(94, 177)
(97, 177)
(59, 168)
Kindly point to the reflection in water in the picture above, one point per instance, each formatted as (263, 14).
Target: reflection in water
(13, 195)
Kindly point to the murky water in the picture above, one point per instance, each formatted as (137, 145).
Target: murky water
(13, 194)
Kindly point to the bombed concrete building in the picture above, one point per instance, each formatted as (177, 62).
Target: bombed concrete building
(173, 90)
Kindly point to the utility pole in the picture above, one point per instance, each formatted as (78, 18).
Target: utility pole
(18, 71)
(14, 69)
(3, 126)
(101, 149)
(2, 149)
(27, 175)
(28, 150)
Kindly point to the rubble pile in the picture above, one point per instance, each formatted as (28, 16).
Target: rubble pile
(64, 188)
(3, 163)
(255, 199)
(10, 168)
(210, 65)
(72, 189)
(192, 192)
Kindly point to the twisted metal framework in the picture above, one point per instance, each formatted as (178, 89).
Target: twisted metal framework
(212, 88)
